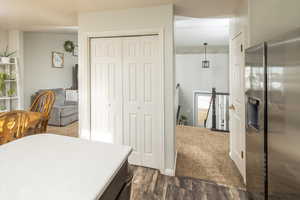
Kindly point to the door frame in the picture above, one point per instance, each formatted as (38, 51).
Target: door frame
(195, 105)
(84, 78)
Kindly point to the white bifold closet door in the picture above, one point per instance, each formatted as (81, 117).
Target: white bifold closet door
(127, 102)
(106, 90)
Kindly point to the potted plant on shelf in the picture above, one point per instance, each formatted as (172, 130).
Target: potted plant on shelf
(11, 92)
(183, 120)
(3, 77)
(5, 56)
(11, 76)
(2, 108)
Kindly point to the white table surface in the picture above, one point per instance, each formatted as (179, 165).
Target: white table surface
(48, 166)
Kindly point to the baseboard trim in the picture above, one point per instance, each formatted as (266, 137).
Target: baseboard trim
(175, 163)
(168, 171)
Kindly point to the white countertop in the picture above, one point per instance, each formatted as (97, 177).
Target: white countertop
(52, 167)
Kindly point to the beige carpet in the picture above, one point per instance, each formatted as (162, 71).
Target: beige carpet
(204, 154)
(70, 130)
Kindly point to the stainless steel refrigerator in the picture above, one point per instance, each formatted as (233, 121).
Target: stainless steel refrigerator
(272, 76)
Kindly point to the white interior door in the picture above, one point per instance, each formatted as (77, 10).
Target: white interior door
(106, 90)
(237, 104)
(143, 105)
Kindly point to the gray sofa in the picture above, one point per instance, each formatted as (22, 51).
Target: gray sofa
(63, 112)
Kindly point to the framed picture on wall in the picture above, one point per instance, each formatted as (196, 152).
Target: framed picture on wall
(57, 59)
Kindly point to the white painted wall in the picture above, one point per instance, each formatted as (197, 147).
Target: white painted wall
(38, 70)
(191, 76)
(160, 18)
(271, 18)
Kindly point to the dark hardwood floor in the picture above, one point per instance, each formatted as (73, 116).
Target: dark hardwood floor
(149, 184)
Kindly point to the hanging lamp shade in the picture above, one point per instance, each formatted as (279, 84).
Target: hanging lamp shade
(205, 62)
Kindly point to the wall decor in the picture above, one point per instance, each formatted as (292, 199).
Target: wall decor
(69, 46)
(57, 59)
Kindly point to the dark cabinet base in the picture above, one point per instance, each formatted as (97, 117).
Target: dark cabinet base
(120, 186)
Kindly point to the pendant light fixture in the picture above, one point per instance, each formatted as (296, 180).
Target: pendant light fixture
(205, 62)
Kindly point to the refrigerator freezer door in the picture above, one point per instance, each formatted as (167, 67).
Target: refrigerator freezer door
(255, 120)
(284, 117)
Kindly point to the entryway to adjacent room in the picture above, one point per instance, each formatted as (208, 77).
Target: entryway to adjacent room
(203, 101)
(51, 64)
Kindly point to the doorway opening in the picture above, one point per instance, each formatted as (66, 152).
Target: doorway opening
(202, 104)
(211, 110)
(202, 92)
(51, 64)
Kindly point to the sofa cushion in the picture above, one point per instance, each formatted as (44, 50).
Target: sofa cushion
(55, 116)
(68, 120)
(60, 96)
(71, 102)
(68, 110)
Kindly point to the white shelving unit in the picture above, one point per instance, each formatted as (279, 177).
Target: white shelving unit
(9, 102)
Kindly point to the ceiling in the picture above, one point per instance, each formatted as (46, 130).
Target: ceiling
(193, 32)
(25, 14)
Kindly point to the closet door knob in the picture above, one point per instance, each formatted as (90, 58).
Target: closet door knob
(138, 107)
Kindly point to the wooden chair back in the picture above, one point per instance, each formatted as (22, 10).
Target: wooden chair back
(13, 125)
(43, 103)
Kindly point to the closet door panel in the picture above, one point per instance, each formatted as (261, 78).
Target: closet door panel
(131, 108)
(131, 112)
(142, 80)
(151, 101)
(106, 90)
